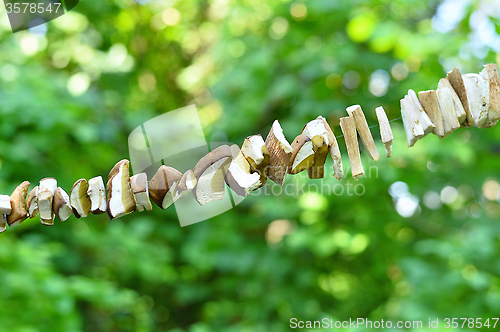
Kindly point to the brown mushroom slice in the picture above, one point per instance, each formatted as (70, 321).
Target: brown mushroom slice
(62, 205)
(448, 110)
(45, 196)
(280, 152)
(210, 172)
(385, 130)
(478, 95)
(18, 202)
(186, 183)
(459, 108)
(364, 131)
(5, 210)
(302, 156)
(163, 184)
(32, 203)
(238, 176)
(430, 102)
(490, 73)
(255, 151)
(456, 80)
(120, 200)
(97, 193)
(79, 198)
(320, 148)
(334, 151)
(140, 190)
(348, 127)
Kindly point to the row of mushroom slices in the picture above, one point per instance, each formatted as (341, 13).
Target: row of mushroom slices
(243, 170)
(469, 100)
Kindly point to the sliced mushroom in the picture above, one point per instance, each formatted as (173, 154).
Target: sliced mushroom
(348, 127)
(186, 183)
(280, 152)
(448, 110)
(79, 198)
(459, 108)
(302, 156)
(120, 197)
(139, 184)
(163, 184)
(478, 95)
(18, 202)
(385, 130)
(62, 205)
(321, 145)
(255, 151)
(425, 122)
(5, 210)
(490, 73)
(97, 193)
(411, 122)
(32, 203)
(238, 176)
(364, 132)
(45, 196)
(334, 151)
(210, 172)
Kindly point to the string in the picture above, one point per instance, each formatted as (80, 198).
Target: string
(373, 126)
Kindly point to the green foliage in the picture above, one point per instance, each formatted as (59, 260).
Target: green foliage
(69, 99)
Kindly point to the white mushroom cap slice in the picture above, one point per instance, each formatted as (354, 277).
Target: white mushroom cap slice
(411, 122)
(32, 203)
(46, 190)
(120, 198)
(18, 202)
(448, 111)
(210, 172)
(162, 183)
(238, 176)
(255, 151)
(62, 205)
(186, 183)
(280, 152)
(5, 210)
(317, 127)
(303, 154)
(478, 95)
(97, 194)
(139, 184)
(490, 73)
(79, 199)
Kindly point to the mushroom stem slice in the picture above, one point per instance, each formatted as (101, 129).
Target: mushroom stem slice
(478, 95)
(62, 205)
(186, 183)
(79, 198)
(255, 151)
(459, 108)
(430, 101)
(139, 184)
(385, 130)
(334, 152)
(448, 110)
(5, 210)
(32, 203)
(280, 152)
(348, 127)
(45, 196)
(161, 184)
(18, 202)
(120, 197)
(364, 132)
(97, 193)
(320, 148)
(490, 73)
(239, 177)
(210, 172)
(411, 122)
(302, 156)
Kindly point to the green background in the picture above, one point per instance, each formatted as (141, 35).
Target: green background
(70, 97)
